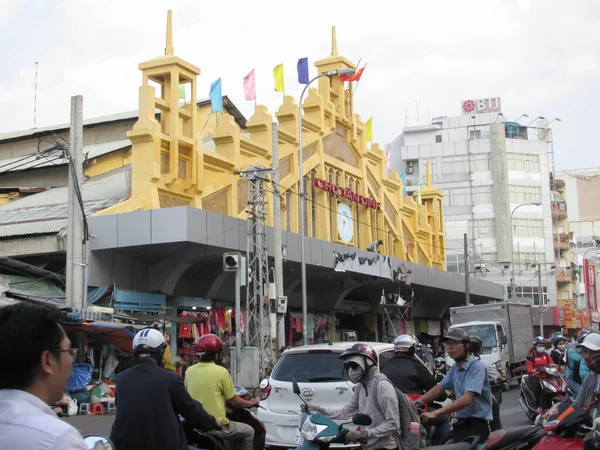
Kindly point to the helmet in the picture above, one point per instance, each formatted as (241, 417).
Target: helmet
(539, 340)
(360, 350)
(581, 335)
(209, 343)
(148, 340)
(559, 338)
(458, 335)
(476, 344)
(591, 341)
(405, 343)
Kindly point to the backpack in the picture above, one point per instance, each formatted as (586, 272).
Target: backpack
(408, 413)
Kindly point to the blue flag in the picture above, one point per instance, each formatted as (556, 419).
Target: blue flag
(303, 71)
(403, 178)
(216, 96)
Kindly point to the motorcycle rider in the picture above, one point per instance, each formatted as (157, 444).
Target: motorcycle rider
(590, 349)
(537, 357)
(210, 383)
(468, 378)
(410, 376)
(149, 398)
(496, 382)
(559, 352)
(577, 369)
(360, 367)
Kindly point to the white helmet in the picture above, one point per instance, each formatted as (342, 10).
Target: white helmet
(591, 341)
(148, 340)
(404, 343)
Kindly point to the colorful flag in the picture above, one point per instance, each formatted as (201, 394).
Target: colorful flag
(355, 77)
(182, 91)
(216, 96)
(278, 74)
(303, 71)
(403, 178)
(369, 129)
(250, 86)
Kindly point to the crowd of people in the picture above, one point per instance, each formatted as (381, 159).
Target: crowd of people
(150, 400)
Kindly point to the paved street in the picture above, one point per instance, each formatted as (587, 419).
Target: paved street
(512, 416)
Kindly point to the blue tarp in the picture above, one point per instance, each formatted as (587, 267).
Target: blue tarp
(81, 375)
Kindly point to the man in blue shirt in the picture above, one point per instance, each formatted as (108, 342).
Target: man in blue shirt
(468, 378)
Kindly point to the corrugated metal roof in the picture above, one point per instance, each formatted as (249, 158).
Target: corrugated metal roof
(46, 212)
(38, 160)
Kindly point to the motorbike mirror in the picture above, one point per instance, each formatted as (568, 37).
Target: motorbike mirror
(98, 443)
(361, 419)
(295, 386)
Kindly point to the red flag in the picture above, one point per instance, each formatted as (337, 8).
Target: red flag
(354, 77)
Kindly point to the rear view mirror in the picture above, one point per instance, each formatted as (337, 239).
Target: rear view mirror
(504, 340)
(296, 387)
(361, 419)
(98, 443)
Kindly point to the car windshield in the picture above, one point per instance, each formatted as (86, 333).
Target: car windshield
(309, 368)
(486, 333)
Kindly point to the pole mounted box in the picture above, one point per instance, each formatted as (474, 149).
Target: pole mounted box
(232, 261)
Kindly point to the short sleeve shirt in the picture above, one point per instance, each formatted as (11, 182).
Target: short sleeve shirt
(471, 377)
(211, 385)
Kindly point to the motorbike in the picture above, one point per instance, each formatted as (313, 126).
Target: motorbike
(554, 390)
(566, 428)
(206, 440)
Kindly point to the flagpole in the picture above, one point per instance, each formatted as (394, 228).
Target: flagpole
(356, 87)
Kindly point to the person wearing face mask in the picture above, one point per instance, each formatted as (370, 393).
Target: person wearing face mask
(560, 350)
(577, 369)
(537, 357)
(360, 367)
(590, 349)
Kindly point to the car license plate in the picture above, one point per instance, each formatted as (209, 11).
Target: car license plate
(298, 440)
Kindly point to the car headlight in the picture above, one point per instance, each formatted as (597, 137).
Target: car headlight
(310, 430)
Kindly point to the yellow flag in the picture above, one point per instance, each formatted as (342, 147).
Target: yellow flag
(278, 74)
(369, 129)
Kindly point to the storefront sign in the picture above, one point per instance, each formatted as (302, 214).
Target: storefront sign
(347, 193)
(353, 306)
(590, 283)
(481, 105)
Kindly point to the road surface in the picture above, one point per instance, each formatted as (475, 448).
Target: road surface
(510, 411)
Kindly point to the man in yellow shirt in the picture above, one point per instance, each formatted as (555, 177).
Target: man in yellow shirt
(211, 385)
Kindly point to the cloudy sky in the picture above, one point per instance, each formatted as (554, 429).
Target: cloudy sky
(541, 57)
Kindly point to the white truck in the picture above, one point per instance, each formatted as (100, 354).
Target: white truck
(506, 331)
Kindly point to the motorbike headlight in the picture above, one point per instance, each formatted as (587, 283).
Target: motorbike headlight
(551, 370)
(310, 430)
(548, 386)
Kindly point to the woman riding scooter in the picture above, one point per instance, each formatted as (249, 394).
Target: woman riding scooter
(537, 357)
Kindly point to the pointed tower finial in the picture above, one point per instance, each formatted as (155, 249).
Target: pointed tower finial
(169, 50)
(428, 174)
(334, 51)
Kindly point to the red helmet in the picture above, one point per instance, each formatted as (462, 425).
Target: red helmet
(209, 343)
(360, 350)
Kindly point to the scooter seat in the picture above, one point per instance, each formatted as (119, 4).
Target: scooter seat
(498, 438)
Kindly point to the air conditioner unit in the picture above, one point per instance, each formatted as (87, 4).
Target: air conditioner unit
(410, 163)
(410, 170)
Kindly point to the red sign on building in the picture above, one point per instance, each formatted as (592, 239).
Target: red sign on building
(347, 193)
(590, 283)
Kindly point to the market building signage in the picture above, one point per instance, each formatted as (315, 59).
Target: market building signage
(347, 193)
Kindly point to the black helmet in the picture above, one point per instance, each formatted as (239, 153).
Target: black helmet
(476, 344)
(458, 335)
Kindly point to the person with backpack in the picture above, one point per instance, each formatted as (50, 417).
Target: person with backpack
(375, 395)
(469, 380)
(577, 369)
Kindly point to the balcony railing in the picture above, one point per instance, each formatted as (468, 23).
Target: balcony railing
(564, 275)
(561, 241)
(559, 209)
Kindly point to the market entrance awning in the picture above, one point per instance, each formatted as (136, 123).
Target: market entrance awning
(120, 335)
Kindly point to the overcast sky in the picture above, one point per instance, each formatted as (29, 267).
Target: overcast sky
(541, 57)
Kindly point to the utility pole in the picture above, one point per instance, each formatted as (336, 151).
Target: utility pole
(280, 332)
(541, 297)
(75, 248)
(466, 257)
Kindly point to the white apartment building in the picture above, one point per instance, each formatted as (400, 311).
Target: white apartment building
(488, 167)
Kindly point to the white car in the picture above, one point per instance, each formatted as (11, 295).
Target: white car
(318, 371)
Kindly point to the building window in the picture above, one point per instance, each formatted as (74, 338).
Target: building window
(524, 194)
(523, 162)
(482, 195)
(457, 197)
(484, 228)
(455, 229)
(529, 228)
(455, 262)
(438, 138)
(455, 164)
(475, 134)
(481, 162)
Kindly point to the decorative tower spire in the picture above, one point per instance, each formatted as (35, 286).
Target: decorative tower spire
(169, 50)
(334, 50)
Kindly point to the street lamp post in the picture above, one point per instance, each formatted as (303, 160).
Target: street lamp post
(330, 73)
(512, 251)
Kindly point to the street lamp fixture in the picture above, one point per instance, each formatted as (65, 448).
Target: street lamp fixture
(512, 251)
(499, 115)
(537, 118)
(554, 120)
(330, 73)
(522, 115)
